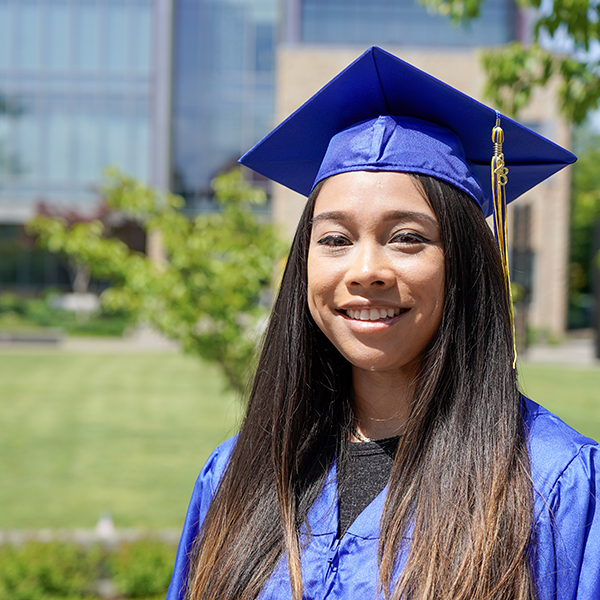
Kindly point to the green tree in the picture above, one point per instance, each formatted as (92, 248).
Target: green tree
(565, 41)
(210, 292)
(585, 211)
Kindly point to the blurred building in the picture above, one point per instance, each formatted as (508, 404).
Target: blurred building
(174, 91)
(77, 78)
(223, 88)
(170, 91)
(77, 91)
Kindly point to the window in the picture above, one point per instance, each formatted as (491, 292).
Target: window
(29, 35)
(58, 33)
(403, 22)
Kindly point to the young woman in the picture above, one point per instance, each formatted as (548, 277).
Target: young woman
(386, 449)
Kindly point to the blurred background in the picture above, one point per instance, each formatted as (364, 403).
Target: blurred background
(137, 262)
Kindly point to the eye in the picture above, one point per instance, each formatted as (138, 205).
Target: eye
(334, 241)
(408, 237)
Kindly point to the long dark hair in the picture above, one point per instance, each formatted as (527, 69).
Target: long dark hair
(460, 487)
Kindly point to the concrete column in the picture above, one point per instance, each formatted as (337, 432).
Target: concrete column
(161, 110)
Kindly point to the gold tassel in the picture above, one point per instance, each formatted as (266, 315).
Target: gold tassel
(499, 181)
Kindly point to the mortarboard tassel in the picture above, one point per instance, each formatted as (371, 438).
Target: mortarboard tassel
(499, 181)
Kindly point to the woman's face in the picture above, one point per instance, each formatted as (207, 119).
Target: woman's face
(376, 269)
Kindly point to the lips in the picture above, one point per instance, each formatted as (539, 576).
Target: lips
(373, 314)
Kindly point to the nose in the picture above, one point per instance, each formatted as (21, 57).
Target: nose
(369, 267)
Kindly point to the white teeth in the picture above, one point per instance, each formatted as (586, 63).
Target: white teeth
(373, 314)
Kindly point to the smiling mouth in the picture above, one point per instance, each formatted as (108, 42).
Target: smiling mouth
(373, 314)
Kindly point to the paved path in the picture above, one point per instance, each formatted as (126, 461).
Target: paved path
(573, 351)
(141, 341)
(576, 352)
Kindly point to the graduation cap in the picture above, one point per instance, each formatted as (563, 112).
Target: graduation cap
(430, 128)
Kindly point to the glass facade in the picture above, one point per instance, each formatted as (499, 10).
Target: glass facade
(75, 90)
(223, 88)
(402, 22)
(78, 87)
(24, 267)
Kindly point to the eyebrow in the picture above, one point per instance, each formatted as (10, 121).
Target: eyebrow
(397, 215)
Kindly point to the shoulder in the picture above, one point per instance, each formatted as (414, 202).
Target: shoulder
(557, 452)
(204, 491)
(213, 469)
(565, 469)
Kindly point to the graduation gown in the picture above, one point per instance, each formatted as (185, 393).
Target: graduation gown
(565, 468)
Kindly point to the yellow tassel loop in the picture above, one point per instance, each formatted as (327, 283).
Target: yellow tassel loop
(499, 181)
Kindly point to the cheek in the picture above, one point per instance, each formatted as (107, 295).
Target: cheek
(429, 283)
(322, 287)
(438, 286)
(316, 286)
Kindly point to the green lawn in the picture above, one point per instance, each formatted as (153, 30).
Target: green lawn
(88, 433)
(572, 393)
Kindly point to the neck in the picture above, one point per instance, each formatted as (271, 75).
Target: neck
(382, 402)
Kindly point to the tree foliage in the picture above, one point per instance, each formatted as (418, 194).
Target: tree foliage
(210, 292)
(565, 45)
(585, 212)
(79, 272)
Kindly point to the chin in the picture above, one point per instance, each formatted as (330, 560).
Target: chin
(380, 362)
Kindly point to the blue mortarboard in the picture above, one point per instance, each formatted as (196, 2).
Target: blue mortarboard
(381, 113)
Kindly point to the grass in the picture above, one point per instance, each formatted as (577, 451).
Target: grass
(571, 393)
(84, 434)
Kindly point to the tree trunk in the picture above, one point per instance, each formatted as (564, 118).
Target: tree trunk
(80, 277)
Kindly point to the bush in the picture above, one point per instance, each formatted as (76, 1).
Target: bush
(143, 568)
(36, 571)
(67, 571)
(17, 313)
(11, 303)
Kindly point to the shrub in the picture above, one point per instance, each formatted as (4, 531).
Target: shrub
(10, 303)
(17, 312)
(36, 571)
(143, 568)
(68, 571)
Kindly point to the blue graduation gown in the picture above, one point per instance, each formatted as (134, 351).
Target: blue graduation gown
(565, 470)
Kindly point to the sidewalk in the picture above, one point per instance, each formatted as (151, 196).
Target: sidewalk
(142, 340)
(137, 343)
(573, 351)
(576, 351)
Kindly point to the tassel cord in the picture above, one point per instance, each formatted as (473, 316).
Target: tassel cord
(499, 181)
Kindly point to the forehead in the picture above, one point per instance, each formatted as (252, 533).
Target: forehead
(370, 195)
